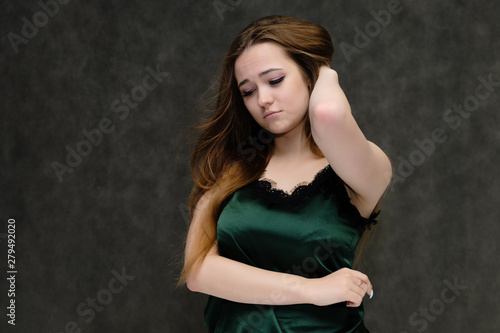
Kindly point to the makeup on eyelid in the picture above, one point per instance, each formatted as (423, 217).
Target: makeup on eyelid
(271, 82)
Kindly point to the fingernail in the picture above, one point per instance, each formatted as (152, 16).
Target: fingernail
(371, 294)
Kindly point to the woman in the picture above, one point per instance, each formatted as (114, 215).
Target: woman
(276, 220)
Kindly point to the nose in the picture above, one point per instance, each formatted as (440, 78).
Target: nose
(265, 97)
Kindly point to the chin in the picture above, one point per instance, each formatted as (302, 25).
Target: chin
(278, 133)
(282, 130)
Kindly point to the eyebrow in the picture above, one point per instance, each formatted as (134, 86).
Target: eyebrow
(260, 75)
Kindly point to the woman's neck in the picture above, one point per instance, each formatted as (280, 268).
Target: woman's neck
(292, 146)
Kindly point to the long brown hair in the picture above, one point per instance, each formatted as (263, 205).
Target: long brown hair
(218, 163)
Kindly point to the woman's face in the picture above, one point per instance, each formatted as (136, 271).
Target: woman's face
(273, 87)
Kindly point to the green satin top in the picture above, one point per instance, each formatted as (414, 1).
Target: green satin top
(311, 232)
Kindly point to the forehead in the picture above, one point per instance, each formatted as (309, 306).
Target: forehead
(259, 57)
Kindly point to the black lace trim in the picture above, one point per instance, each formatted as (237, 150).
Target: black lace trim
(325, 177)
(268, 188)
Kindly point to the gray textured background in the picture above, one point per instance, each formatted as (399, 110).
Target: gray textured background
(122, 206)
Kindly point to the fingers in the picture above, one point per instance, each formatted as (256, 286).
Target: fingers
(365, 284)
(367, 287)
(360, 287)
(347, 285)
(357, 292)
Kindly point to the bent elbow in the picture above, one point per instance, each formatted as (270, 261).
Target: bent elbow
(192, 285)
(328, 114)
(194, 281)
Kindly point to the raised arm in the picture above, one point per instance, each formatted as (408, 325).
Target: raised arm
(362, 165)
(238, 282)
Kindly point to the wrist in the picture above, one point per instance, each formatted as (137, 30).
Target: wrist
(328, 73)
(305, 290)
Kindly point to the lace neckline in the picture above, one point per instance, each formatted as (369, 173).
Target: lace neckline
(325, 177)
(299, 189)
(273, 186)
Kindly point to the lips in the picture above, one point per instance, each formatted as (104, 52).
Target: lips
(270, 113)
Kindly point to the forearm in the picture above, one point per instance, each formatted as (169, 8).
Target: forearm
(359, 163)
(225, 278)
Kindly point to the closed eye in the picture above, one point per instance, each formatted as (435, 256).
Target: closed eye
(273, 82)
(247, 93)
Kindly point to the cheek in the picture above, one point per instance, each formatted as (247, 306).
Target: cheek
(250, 108)
(301, 94)
(248, 105)
(299, 88)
